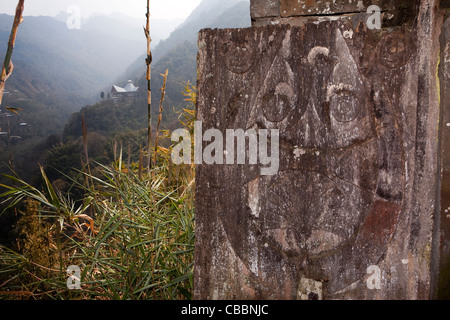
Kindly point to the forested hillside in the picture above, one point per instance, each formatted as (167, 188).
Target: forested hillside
(177, 54)
(58, 71)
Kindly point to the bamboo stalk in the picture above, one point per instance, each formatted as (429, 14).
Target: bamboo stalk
(85, 138)
(140, 163)
(129, 157)
(85, 147)
(149, 88)
(8, 65)
(163, 94)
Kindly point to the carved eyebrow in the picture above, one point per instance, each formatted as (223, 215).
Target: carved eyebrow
(314, 52)
(340, 87)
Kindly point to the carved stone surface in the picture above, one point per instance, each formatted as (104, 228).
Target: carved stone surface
(264, 8)
(444, 76)
(299, 12)
(357, 114)
(290, 8)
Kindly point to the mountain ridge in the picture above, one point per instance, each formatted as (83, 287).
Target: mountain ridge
(42, 78)
(234, 16)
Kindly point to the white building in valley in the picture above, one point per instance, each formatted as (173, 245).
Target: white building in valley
(129, 91)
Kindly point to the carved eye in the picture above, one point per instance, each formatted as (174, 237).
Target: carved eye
(393, 50)
(275, 106)
(225, 47)
(278, 103)
(344, 105)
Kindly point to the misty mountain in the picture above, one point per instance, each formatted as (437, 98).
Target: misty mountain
(209, 14)
(179, 52)
(210, 10)
(130, 28)
(56, 61)
(57, 71)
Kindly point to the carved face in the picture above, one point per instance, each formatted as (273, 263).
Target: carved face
(309, 207)
(322, 208)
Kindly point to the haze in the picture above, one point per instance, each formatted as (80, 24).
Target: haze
(160, 9)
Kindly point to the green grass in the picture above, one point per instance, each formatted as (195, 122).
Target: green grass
(132, 238)
(132, 234)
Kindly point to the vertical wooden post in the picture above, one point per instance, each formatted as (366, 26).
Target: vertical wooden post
(7, 65)
(149, 86)
(352, 211)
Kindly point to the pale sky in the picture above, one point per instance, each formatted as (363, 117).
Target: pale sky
(160, 9)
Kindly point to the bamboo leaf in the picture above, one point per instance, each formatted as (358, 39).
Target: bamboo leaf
(13, 110)
(54, 200)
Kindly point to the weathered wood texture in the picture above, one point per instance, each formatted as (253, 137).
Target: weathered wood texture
(444, 76)
(358, 116)
(299, 12)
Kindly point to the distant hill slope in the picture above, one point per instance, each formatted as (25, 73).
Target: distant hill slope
(178, 52)
(69, 61)
(107, 119)
(209, 14)
(57, 71)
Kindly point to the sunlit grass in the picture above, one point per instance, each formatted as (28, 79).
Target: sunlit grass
(132, 238)
(132, 234)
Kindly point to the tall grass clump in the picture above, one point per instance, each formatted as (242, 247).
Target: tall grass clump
(132, 234)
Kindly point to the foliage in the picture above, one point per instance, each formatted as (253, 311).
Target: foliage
(132, 235)
(108, 118)
(57, 74)
(131, 231)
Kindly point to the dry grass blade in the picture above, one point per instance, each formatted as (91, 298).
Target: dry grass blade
(13, 110)
(85, 140)
(141, 156)
(7, 65)
(129, 156)
(163, 94)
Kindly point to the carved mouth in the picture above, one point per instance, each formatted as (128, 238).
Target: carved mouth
(309, 219)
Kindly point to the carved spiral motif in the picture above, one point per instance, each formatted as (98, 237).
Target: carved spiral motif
(344, 106)
(278, 102)
(393, 50)
(239, 56)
